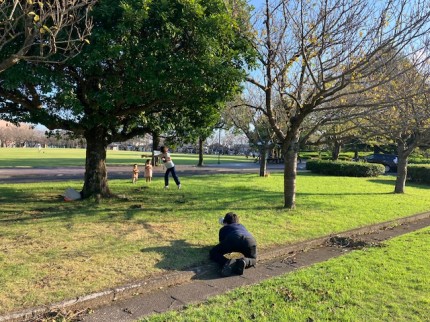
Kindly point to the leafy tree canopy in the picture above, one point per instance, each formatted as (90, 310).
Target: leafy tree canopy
(149, 62)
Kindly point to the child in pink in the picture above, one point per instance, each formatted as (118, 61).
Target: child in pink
(135, 173)
(148, 171)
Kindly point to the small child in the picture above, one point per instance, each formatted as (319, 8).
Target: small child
(148, 171)
(135, 173)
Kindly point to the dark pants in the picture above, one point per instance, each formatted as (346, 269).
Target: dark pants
(235, 243)
(175, 177)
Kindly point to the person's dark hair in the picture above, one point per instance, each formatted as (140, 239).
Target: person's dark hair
(231, 218)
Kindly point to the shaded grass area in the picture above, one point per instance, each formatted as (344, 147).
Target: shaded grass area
(51, 250)
(376, 284)
(50, 157)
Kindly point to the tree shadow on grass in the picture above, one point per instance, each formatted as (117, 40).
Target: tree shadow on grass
(344, 194)
(180, 255)
(384, 182)
(393, 182)
(27, 208)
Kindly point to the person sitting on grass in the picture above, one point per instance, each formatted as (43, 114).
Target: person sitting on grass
(234, 237)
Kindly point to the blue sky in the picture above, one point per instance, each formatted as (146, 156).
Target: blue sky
(256, 3)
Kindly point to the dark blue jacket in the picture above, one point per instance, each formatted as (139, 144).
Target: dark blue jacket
(234, 229)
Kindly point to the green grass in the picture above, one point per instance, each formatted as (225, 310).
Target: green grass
(32, 158)
(376, 284)
(51, 250)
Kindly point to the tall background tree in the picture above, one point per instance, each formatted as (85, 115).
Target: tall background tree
(40, 30)
(405, 123)
(314, 53)
(254, 125)
(149, 63)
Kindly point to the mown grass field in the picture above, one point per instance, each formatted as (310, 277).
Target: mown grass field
(391, 283)
(52, 250)
(32, 158)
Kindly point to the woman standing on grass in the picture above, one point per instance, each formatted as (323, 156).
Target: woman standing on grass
(170, 167)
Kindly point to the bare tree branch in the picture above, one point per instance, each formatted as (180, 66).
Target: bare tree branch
(40, 30)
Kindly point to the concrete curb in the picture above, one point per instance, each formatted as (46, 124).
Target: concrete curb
(179, 277)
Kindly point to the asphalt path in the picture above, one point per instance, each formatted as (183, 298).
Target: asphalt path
(24, 175)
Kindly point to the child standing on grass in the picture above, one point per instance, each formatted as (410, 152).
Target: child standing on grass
(148, 171)
(135, 173)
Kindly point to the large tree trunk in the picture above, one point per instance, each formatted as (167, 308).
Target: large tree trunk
(155, 141)
(402, 167)
(155, 146)
(402, 172)
(404, 150)
(95, 182)
(290, 151)
(263, 161)
(200, 164)
(336, 150)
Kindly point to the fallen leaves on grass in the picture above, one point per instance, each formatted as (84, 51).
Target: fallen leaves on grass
(348, 242)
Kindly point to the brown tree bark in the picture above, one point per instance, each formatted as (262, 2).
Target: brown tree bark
(155, 146)
(200, 164)
(402, 172)
(290, 152)
(336, 150)
(95, 181)
(263, 161)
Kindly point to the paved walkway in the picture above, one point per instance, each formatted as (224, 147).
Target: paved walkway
(21, 175)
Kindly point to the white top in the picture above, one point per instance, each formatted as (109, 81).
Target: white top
(169, 163)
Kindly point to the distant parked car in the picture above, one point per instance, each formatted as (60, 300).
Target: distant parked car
(388, 160)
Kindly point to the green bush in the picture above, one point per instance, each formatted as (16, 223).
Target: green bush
(312, 155)
(346, 169)
(419, 173)
(343, 157)
(416, 160)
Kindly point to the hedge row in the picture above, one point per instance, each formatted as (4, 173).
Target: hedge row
(346, 169)
(419, 173)
(418, 161)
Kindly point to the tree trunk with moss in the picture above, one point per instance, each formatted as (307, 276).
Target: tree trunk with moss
(95, 181)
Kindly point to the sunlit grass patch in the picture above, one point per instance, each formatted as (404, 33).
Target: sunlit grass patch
(53, 157)
(51, 250)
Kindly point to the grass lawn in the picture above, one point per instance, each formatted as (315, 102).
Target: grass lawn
(51, 250)
(375, 284)
(31, 157)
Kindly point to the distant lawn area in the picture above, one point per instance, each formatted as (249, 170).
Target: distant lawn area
(50, 157)
(52, 250)
(375, 284)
